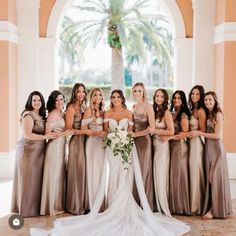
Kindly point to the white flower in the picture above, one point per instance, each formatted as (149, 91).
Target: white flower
(121, 143)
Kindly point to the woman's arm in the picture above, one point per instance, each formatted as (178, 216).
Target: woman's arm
(202, 120)
(218, 132)
(27, 127)
(53, 116)
(69, 117)
(130, 117)
(105, 124)
(169, 125)
(85, 128)
(184, 124)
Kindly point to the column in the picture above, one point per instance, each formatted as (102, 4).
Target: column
(203, 48)
(28, 15)
(48, 68)
(183, 64)
(8, 88)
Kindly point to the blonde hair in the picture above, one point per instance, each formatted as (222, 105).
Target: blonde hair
(91, 102)
(143, 87)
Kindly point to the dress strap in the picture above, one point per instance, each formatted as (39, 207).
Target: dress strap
(28, 113)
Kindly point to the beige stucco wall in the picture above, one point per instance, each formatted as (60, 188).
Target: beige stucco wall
(185, 7)
(44, 14)
(8, 91)
(8, 10)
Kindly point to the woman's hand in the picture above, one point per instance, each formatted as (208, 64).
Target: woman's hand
(151, 130)
(51, 135)
(194, 133)
(133, 134)
(90, 132)
(163, 138)
(101, 134)
(69, 132)
(180, 136)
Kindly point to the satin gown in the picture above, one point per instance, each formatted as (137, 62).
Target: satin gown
(145, 155)
(53, 191)
(179, 201)
(27, 182)
(161, 165)
(196, 170)
(123, 217)
(76, 171)
(218, 196)
(95, 157)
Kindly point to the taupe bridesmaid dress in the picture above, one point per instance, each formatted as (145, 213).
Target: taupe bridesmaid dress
(76, 172)
(196, 170)
(179, 201)
(144, 149)
(218, 196)
(95, 157)
(53, 191)
(27, 183)
(161, 165)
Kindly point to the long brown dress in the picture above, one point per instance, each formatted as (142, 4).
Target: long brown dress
(76, 172)
(53, 190)
(179, 201)
(144, 149)
(27, 183)
(196, 169)
(218, 196)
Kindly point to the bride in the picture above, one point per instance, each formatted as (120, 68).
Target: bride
(123, 217)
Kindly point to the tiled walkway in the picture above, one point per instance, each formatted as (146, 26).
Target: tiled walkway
(199, 227)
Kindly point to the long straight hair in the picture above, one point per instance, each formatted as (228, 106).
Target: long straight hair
(216, 107)
(184, 106)
(160, 110)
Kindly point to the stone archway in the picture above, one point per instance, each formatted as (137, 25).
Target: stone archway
(183, 60)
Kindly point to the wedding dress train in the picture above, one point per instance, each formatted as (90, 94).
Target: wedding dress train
(123, 217)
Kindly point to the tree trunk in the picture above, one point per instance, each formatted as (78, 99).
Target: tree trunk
(117, 69)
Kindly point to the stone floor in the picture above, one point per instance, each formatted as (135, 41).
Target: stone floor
(199, 227)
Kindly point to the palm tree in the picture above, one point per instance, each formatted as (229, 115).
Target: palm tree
(68, 48)
(120, 23)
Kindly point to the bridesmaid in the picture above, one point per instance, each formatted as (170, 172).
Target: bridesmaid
(53, 190)
(92, 123)
(144, 119)
(27, 183)
(218, 200)
(163, 131)
(76, 172)
(196, 150)
(179, 173)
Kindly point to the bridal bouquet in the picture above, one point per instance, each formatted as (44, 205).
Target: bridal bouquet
(120, 142)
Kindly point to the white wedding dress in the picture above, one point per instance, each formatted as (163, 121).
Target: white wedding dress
(123, 217)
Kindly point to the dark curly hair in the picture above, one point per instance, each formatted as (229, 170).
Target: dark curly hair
(51, 103)
(200, 103)
(29, 107)
(121, 95)
(184, 106)
(160, 109)
(216, 107)
(73, 97)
